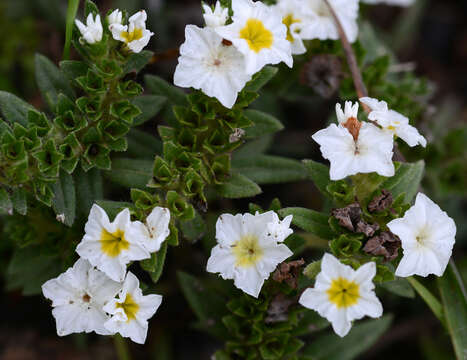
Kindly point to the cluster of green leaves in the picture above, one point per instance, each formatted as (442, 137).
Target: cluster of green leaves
(91, 112)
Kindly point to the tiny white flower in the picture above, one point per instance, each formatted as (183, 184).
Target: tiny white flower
(342, 294)
(134, 35)
(92, 31)
(78, 296)
(366, 149)
(155, 231)
(131, 311)
(258, 33)
(249, 249)
(110, 246)
(390, 2)
(207, 64)
(115, 18)
(215, 18)
(323, 26)
(393, 122)
(428, 235)
(296, 15)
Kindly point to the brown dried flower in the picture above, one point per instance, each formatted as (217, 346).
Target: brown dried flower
(385, 244)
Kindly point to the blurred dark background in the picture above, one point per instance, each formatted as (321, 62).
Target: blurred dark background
(430, 38)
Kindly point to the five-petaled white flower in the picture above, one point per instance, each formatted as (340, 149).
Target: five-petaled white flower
(131, 311)
(323, 26)
(258, 33)
(108, 246)
(296, 15)
(208, 64)
(134, 35)
(215, 18)
(249, 249)
(390, 2)
(428, 235)
(393, 122)
(353, 147)
(92, 31)
(115, 18)
(78, 296)
(155, 231)
(342, 294)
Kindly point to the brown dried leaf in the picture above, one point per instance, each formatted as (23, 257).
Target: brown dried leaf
(381, 202)
(385, 244)
(288, 272)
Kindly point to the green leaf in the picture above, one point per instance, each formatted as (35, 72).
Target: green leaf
(88, 189)
(261, 78)
(51, 81)
(238, 186)
(14, 109)
(130, 172)
(193, 229)
(319, 173)
(143, 145)
(5, 202)
(64, 201)
(432, 302)
(159, 86)
(19, 201)
(257, 146)
(137, 61)
(400, 287)
(263, 124)
(150, 105)
(112, 208)
(309, 220)
(454, 297)
(155, 265)
(70, 22)
(360, 338)
(406, 180)
(266, 169)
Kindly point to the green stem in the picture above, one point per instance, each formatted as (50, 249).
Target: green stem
(121, 347)
(433, 303)
(70, 19)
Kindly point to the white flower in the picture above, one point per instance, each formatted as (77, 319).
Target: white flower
(342, 294)
(107, 245)
(350, 111)
(354, 147)
(258, 33)
(393, 122)
(323, 26)
(427, 234)
(249, 249)
(390, 2)
(134, 35)
(207, 64)
(131, 311)
(115, 18)
(296, 15)
(78, 296)
(155, 231)
(215, 18)
(92, 31)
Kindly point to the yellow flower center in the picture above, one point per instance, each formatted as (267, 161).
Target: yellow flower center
(343, 293)
(130, 307)
(256, 35)
(113, 244)
(288, 21)
(247, 251)
(136, 34)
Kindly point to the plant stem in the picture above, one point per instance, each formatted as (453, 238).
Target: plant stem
(433, 303)
(121, 347)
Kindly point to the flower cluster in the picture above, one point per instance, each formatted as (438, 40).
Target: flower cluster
(97, 293)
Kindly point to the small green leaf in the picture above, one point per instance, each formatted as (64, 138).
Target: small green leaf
(238, 186)
(360, 338)
(88, 189)
(14, 109)
(432, 302)
(266, 169)
(400, 287)
(263, 124)
(19, 200)
(64, 201)
(309, 220)
(5, 202)
(130, 172)
(155, 265)
(143, 145)
(261, 78)
(150, 105)
(159, 86)
(406, 180)
(319, 173)
(137, 61)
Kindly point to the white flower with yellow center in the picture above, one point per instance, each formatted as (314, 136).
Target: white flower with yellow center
(393, 122)
(342, 294)
(208, 64)
(134, 35)
(115, 18)
(355, 147)
(258, 33)
(295, 15)
(427, 235)
(92, 31)
(155, 231)
(249, 249)
(322, 25)
(215, 18)
(78, 296)
(131, 311)
(108, 246)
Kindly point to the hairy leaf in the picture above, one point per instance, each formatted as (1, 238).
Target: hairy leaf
(238, 186)
(64, 201)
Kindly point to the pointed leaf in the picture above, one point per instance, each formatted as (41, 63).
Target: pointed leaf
(406, 180)
(88, 189)
(150, 105)
(309, 220)
(159, 86)
(64, 201)
(14, 109)
(263, 124)
(319, 173)
(131, 173)
(238, 186)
